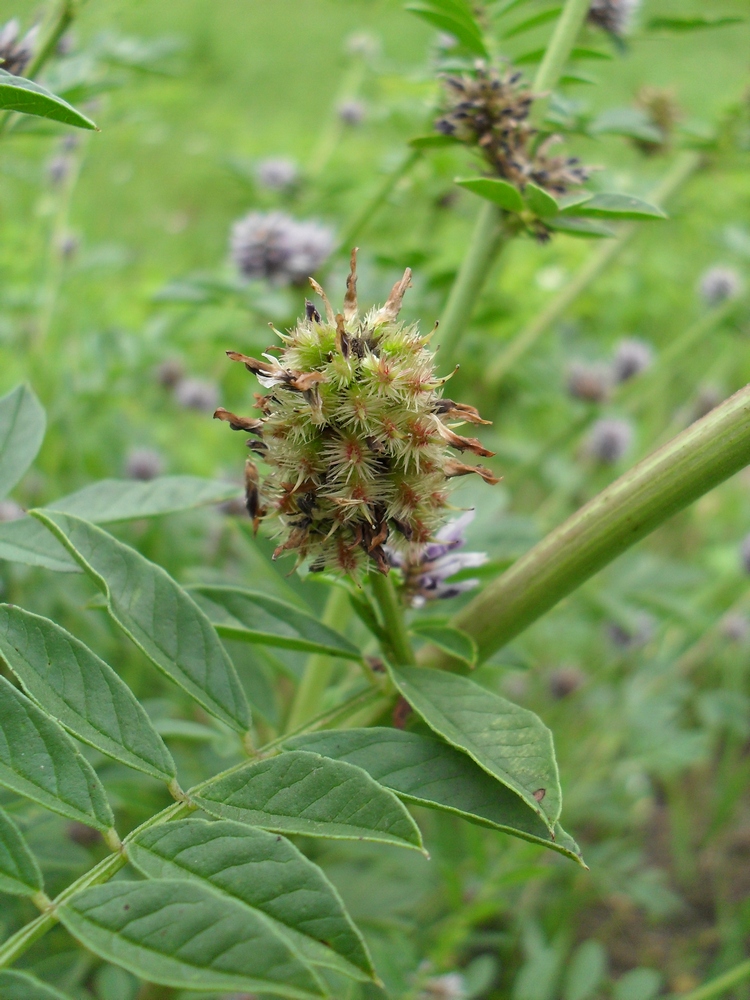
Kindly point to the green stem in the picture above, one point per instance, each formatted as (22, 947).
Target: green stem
(381, 195)
(329, 139)
(683, 167)
(319, 668)
(704, 455)
(719, 986)
(563, 39)
(392, 612)
(485, 243)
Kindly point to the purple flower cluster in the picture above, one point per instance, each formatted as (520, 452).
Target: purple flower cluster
(427, 574)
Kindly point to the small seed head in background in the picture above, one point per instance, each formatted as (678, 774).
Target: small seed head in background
(352, 112)
(632, 356)
(10, 511)
(277, 173)
(663, 112)
(633, 636)
(565, 681)
(14, 53)
(283, 250)
(719, 284)
(169, 372)
(143, 464)
(451, 986)
(735, 627)
(197, 394)
(589, 382)
(609, 440)
(613, 16)
(68, 245)
(58, 169)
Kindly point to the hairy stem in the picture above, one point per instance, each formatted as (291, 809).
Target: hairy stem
(721, 985)
(704, 455)
(684, 166)
(319, 668)
(393, 618)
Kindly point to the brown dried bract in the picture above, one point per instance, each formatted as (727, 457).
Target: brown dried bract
(453, 468)
(239, 423)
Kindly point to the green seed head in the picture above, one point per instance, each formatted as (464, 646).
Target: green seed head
(355, 434)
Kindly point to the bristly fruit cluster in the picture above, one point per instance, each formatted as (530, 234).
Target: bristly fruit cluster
(490, 112)
(356, 435)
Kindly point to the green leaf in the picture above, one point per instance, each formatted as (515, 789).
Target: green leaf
(574, 198)
(428, 772)
(540, 201)
(19, 872)
(158, 615)
(19, 94)
(536, 56)
(110, 500)
(544, 17)
(464, 29)
(81, 691)
(27, 541)
(22, 425)
(586, 969)
(16, 985)
(433, 141)
(619, 206)
(574, 225)
(448, 638)
(495, 190)
(507, 741)
(39, 761)
(186, 935)
(301, 792)
(631, 122)
(264, 872)
(253, 617)
(691, 23)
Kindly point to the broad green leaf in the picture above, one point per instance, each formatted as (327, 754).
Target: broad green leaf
(691, 23)
(27, 541)
(22, 425)
(186, 935)
(19, 872)
(81, 691)
(509, 742)
(447, 637)
(631, 122)
(301, 792)
(540, 201)
(264, 872)
(574, 198)
(619, 206)
(536, 21)
(110, 500)
(428, 772)
(464, 30)
(158, 615)
(433, 141)
(254, 617)
(16, 985)
(495, 190)
(574, 225)
(39, 761)
(19, 94)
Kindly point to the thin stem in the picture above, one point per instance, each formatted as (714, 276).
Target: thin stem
(684, 166)
(704, 455)
(381, 195)
(319, 668)
(719, 986)
(563, 39)
(393, 618)
(331, 134)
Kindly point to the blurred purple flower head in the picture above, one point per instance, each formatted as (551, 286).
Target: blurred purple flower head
(16, 54)
(609, 440)
(632, 356)
(613, 16)
(277, 173)
(633, 637)
(589, 382)
(362, 44)
(745, 554)
(735, 626)
(275, 246)
(450, 986)
(143, 464)
(427, 573)
(169, 372)
(718, 284)
(197, 394)
(352, 112)
(58, 169)
(565, 681)
(10, 511)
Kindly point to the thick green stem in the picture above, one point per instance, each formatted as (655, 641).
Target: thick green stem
(563, 39)
(392, 613)
(684, 166)
(704, 455)
(319, 668)
(721, 985)
(485, 243)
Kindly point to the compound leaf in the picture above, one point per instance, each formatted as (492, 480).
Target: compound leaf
(22, 426)
(20, 94)
(302, 792)
(158, 615)
(27, 541)
(507, 741)
(19, 872)
(39, 761)
(81, 691)
(187, 935)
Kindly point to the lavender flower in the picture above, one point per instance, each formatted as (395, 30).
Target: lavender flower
(10, 511)
(352, 112)
(426, 573)
(591, 383)
(15, 54)
(718, 284)
(613, 16)
(632, 356)
(277, 173)
(143, 464)
(275, 246)
(609, 440)
(197, 394)
(170, 372)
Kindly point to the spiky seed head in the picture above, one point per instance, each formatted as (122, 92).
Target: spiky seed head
(613, 16)
(609, 440)
(16, 54)
(275, 246)
(143, 464)
(632, 356)
(277, 173)
(719, 284)
(352, 112)
(589, 382)
(355, 436)
(197, 394)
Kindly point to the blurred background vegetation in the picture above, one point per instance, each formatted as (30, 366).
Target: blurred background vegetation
(117, 292)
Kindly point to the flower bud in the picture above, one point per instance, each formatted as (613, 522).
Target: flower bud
(609, 440)
(351, 112)
(277, 173)
(143, 464)
(591, 383)
(632, 356)
(718, 284)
